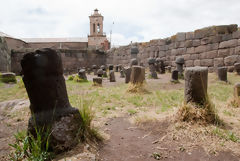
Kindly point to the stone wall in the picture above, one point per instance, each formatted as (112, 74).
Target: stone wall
(58, 45)
(210, 47)
(5, 59)
(71, 59)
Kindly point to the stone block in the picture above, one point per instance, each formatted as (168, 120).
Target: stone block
(163, 48)
(161, 42)
(189, 63)
(182, 44)
(196, 43)
(218, 62)
(190, 50)
(228, 44)
(210, 69)
(188, 43)
(211, 54)
(196, 63)
(231, 60)
(212, 46)
(206, 62)
(226, 37)
(236, 34)
(194, 56)
(181, 36)
(187, 56)
(223, 52)
(189, 35)
(237, 50)
(215, 39)
(200, 49)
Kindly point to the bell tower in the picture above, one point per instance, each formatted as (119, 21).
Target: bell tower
(97, 37)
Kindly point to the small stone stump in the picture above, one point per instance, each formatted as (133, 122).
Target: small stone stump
(100, 73)
(196, 79)
(151, 63)
(82, 74)
(179, 62)
(237, 93)
(97, 81)
(127, 72)
(94, 68)
(49, 104)
(133, 62)
(137, 75)
(237, 68)
(174, 76)
(222, 73)
(112, 76)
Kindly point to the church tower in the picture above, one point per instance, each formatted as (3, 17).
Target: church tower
(97, 38)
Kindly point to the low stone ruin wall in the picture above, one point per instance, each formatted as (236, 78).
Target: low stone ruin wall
(71, 59)
(211, 47)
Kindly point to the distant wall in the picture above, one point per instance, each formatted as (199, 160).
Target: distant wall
(57, 45)
(13, 43)
(71, 59)
(5, 59)
(211, 47)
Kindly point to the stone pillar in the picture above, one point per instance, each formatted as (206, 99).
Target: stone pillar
(158, 65)
(50, 108)
(82, 74)
(179, 62)
(137, 74)
(196, 79)
(222, 73)
(237, 93)
(237, 68)
(162, 67)
(116, 68)
(110, 67)
(112, 76)
(174, 76)
(153, 73)
(122, 74)
(127, 72)
(99, 72)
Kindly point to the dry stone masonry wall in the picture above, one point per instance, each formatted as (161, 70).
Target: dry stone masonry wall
(211, 47)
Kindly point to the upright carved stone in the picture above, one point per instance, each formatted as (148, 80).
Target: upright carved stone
(112, 76)
(237, 68)
(174, 76)
(127, 72)
(110, 67)
(134, 51)
(137, 74)
(94, 68)
(50, 108)
(122, 74)
(222, 73)
(196, 79)
(99, 72)
(133, 62)
(82, 74)
(151, 63)
(237, 93)
(180, 61)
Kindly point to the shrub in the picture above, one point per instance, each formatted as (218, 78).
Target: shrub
(28, 147)
(78, 79)
(70, 77)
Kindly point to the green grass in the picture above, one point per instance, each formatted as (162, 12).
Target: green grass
(226, 135)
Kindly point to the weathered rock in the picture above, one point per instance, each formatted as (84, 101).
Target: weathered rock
(43, 78)
(122, 73)
(134, 51)
(228, 44)
(100, 73)
(174, 76)
(230, 69)
(110, 67)
(8, 77)
(153, 73)
(112, 76)
(137, 74)
(237, 68)
(218, 62)
(82, 74)
(231, 60)
(180, 61)
(105, 74)
(94, 68)
(97, 81)
(196, 79)
(103, 67)
(222, 73)
(88, 70)
(169, 69)
(127, 71)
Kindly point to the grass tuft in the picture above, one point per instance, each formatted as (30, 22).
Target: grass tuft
(137, 88)
(70, 78)
(78, 79)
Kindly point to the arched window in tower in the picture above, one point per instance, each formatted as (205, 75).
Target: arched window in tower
(98, 28)
(94, 28)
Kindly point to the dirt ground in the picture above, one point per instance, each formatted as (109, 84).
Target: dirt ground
(126, 140)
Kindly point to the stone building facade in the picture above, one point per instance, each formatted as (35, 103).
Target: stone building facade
(211, 47)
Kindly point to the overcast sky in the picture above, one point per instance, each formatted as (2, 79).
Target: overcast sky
(134, 20)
